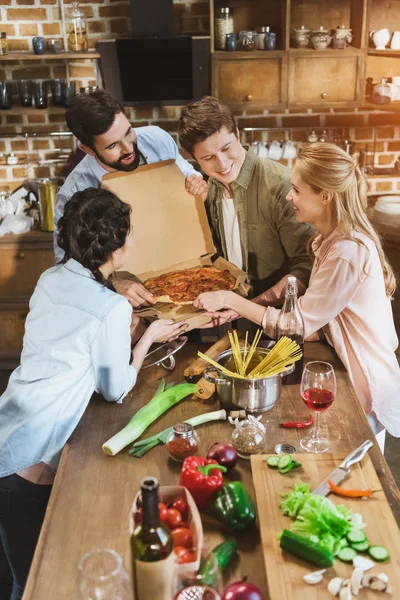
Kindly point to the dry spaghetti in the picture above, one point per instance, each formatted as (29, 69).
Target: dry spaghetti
(249, 364)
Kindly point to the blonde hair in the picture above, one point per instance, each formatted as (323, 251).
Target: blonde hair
(327, 167)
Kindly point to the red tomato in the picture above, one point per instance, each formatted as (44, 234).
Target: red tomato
(174, 518)
(181, 505)
(137, 516)
(186, 557)
(182, 537)
(185, 524)
(163, 510)
(180, 550)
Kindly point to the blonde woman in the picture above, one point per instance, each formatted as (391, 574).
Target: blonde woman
(351, 285)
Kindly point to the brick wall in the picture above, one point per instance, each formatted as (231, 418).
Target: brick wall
(22, 19)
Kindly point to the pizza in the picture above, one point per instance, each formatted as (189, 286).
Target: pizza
(183, 287)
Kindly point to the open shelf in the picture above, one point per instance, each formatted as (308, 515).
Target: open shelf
(391, 107)
(49, 56)
(348, 50)
(23, 110)
(386, 52)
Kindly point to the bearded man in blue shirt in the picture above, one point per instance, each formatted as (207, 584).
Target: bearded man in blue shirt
(110, 143)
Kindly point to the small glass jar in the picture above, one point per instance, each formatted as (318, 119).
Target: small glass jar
(182, 442)
(248, 437)
(382, 93)
(3, 43)
(223, 26)
(247, 40)
(76, 29)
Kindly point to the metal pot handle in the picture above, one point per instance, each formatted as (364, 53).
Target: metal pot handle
(215, 380)
(168, 364)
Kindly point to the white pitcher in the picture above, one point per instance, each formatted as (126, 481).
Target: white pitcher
(395, 42)
(380, 37)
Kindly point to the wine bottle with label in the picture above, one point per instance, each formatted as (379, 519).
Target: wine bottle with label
(290, 324)
(152, 548)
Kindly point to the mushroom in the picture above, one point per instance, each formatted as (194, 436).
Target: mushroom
(356, 580)
(334, 585)
(314, 578)
(379, 582)
(345, 593)
(363, 563)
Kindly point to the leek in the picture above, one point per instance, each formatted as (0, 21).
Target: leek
(161, 402)
(142, 446)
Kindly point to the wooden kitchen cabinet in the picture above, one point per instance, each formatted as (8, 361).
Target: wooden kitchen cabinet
(325, 78)
(254, 81)
(23, 259)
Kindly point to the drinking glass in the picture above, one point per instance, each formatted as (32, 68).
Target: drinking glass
(40, 91)
(5, 94)
(194, 581)
(58, 88)
(25, 92)
(318, 390)
(70, 92)
(102, 576)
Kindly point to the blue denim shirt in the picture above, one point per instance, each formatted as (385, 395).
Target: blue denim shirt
(77, 341)
(153, 142)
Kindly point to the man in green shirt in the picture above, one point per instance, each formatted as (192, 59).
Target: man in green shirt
(252, 223)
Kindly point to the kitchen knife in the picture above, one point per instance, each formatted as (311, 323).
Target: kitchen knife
(343, 469)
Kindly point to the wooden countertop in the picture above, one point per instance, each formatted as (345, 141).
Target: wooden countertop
(28, 237)
(93, 493)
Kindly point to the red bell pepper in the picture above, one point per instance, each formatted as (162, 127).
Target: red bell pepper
(203, 478)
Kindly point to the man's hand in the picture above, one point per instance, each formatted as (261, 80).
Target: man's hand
(196, 186)
(134, 292)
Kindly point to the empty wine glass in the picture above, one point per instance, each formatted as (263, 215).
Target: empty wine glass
(102, 576)
(199, 580)
(318, 390)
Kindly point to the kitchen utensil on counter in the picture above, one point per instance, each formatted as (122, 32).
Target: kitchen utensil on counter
(284, 572)
(395, 41)
(162, 355)
(301, 37)
(318, 390)
(380, 37)
(321, 38)
(194, 372)
(343, 470)
(254, 395)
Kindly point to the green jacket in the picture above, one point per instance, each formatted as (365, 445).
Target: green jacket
(273, 242)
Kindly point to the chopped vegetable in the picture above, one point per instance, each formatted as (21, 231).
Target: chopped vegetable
(314, 578)
(160, 403)
(355, 536)
(272, 461)
(351, 493)
(306, 549)
(284, 462)
(140, 447)
(361, 546)
(364, 563)
(379, 553)
(346, 554)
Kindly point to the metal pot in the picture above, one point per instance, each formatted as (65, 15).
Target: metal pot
(255, 395)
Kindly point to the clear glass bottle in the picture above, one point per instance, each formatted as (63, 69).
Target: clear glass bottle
(223, 25)
(290, 324)
(76, 29)
(102, 575)
(182, 442)
(382, 93)
(248, 437)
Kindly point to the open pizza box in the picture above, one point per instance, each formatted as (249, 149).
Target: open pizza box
(170, 232)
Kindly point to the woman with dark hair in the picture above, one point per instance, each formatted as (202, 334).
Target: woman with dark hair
(77, 341)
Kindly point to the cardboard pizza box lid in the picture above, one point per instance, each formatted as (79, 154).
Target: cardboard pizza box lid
(169, 225)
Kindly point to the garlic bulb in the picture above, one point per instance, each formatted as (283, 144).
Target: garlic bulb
(314, 578)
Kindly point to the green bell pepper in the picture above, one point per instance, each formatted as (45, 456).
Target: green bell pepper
(235, 507)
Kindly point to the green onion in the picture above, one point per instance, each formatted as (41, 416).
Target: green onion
(144, 417)
(142, 446)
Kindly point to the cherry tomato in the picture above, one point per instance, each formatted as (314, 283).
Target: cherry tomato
(137, 516)
(163, 510)
(181, 505)
(182, 537)
(180, 550)
(185, 524)
(174, 518)
(186, 557)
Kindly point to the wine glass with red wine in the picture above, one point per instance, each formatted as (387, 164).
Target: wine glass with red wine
(318, 390)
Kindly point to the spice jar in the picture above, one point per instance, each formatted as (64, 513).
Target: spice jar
(76, 29)
(182, 442)
(223, 25)
(3, 43)
(248, 437)
(382, 93)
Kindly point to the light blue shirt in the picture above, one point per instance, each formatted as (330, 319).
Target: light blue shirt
(77, 341)
(153, 142)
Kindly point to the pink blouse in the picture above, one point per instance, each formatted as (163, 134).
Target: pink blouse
(346, 298)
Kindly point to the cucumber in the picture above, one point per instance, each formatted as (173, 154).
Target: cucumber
(305, 549)
(272, 461)
(379, 553)
(355, 536)
(361, 546)
(223, 553)
(346, 554)
(296, 465)
(284, 461)
(286, 469)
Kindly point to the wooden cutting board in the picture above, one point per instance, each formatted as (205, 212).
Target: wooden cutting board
(284, 571)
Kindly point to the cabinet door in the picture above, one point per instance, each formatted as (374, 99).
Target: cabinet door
(21, 268)
(12, 326)
(253, 79)
(330, 79)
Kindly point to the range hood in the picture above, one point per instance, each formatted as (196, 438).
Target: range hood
(150, 18)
